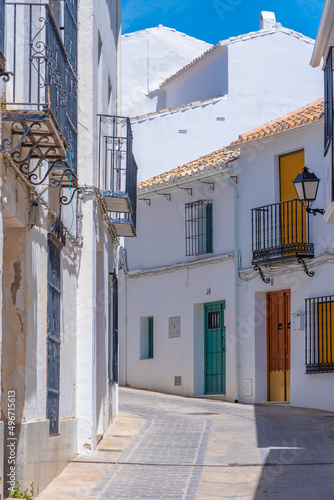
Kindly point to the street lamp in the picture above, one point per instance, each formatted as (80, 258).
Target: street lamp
(306, 186)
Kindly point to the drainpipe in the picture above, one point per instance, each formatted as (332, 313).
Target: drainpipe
(236, 281)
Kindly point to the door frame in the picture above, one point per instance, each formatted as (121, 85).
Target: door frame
(285, 290)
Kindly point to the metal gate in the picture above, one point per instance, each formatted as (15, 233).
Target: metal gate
(53, 337)
(215, 346)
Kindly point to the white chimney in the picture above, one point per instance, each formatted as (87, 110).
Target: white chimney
(267, 20)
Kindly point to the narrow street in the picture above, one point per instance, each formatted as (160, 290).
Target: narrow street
(169, 447)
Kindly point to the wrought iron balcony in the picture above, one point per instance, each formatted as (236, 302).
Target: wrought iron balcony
(281, 231)
(117, 172)
(40, 116)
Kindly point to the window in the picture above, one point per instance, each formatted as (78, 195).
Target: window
(150, 337)
(146, 337)
(199, 227)
(319, 334)
(53, 336)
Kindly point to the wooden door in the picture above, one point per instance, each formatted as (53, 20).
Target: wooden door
(278, 342)
(215, 363)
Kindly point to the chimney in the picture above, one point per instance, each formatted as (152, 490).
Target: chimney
(267, 20)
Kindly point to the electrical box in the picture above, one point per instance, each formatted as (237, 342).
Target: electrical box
(175, 327)
(298, 322)
(247, 386)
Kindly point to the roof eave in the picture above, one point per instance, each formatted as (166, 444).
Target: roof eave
(217, 168)
(239, 145)
(325, 25)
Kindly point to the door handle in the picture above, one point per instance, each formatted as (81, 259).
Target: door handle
(280, 326)
(289, 324)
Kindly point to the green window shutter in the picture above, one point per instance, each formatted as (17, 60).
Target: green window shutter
(209, 228)
(150, 337)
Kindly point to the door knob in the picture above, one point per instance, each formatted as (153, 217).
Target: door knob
(280, 326)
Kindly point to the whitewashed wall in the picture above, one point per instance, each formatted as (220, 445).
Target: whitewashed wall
(98, 93)
(268, 76)
(259, 160)
(182, 292)
(148, 58)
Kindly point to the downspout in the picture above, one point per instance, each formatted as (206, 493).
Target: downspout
(236, 281)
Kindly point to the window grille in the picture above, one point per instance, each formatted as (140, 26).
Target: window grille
(199, 227)
(319, 334)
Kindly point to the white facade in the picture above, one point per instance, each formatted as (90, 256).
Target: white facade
(40, 334)
(148, 58)
(257, 77)
(161, 282)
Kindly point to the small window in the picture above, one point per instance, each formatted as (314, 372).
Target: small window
(214, 320)
(146, 337)
(199, 227)
(150, 337)
(319, 334)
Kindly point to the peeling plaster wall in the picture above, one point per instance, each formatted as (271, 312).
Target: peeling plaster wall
(14, 318)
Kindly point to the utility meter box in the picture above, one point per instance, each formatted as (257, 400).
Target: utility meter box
(298, 322)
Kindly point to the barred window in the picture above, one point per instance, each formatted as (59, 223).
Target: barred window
(319, 334)
(199, 227)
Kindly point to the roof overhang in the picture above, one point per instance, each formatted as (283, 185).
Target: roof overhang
(323, 37)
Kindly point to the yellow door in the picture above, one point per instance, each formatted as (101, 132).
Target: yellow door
(293, 214)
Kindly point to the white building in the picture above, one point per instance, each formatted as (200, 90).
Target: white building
(235, 85)
(200, 318)
(68, 182)
(149, 57)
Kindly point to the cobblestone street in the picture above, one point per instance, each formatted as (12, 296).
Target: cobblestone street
(169, 447)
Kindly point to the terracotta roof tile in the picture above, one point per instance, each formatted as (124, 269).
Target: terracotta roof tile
(307, 114)
(212, 162)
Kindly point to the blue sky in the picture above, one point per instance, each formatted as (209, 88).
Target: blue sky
(214, 20)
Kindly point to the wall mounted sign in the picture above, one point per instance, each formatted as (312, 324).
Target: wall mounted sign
(174, 327)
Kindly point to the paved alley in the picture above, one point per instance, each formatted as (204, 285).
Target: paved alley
(169, 447)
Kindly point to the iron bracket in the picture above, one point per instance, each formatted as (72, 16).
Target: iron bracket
(262, 276)
(147, 201)
(210, 184)
(315, 211)
(64, 199)
(306, 269)
(189, 190)
(5, 75)
(168, 196)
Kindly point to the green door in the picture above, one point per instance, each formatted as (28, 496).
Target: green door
(214, 330)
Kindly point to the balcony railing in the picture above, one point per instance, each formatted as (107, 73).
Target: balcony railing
(319, 334)
(44, 65)
(281, 231)
(117, 172)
